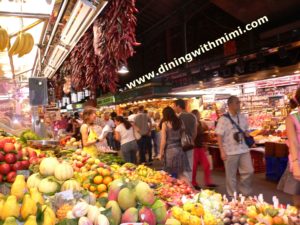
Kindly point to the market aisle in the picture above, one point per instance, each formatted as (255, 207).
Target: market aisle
(260, 185)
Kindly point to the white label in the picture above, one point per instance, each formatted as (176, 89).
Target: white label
(67, 195)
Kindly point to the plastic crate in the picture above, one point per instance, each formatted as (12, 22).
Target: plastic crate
(258, 161)
(275, 167)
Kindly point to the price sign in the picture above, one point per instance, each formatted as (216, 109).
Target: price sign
(25, 173)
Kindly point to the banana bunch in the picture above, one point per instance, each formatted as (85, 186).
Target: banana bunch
(4, 39)
(22, 45)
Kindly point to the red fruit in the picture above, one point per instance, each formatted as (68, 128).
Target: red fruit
(1, 178)
(17, 166)
(11, 177)
(42, 155)
(2, 143)
(10, 158)
(18, 146)
(24, 152)
(4, 168)
(32, 154)
(79, 164)
(34, 160)
(25, 164)
(19, 155)
(9, 147)
(1, 157)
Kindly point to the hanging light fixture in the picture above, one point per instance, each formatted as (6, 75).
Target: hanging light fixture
(123, 70)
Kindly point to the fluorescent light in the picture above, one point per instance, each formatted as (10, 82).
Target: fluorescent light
(80, 17)
(123, 70)
(297, 71)
(59, 53)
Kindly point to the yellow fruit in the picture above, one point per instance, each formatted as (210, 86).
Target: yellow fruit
(105, 172)
(4, 39)
(188, 206)
(194, 220)
(98, 179)
(20, 44)
(101, 188)
(10, 221)
(92, 188)
(11, 207)
(99, 170)
(31, 220)
(197, 210)
(28, 207)
(277, 220)
(48, 219)
(107, 180)
(177, 212)
(19, 187)
(36, 196)
(103, 195)
(185, 218)
(2, 201)
(86, 185)
(61, 213)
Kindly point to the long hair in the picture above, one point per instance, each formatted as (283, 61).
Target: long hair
(169, 115)
(86, 114)
(295, 102)
(126, 123)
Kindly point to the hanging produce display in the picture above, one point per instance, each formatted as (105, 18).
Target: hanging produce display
(22, 45)
(105, 47)
(4, 39)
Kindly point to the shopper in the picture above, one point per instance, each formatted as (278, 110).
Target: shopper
(157, 121)
(234, 151)
(109, 125)
(190, 125)
(290, 181)
(143, 124)
(171, 152)
(153, 134)
(124, 134)
(88, 135)
(200, 156)
(76, 126)
(133, 115)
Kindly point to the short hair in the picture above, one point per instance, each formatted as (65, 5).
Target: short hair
(231, 99)
(180, 103)
(135, 110)
(141, 108)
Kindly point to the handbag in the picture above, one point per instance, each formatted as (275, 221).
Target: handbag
(186, 140)
(249, 140)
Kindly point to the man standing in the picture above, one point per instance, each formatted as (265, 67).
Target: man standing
(110, 125)
(234, 151)
(143, 124)
(133, 115)
(190, 125)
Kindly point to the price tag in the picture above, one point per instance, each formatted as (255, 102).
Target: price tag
(25, 173)
(67, 195)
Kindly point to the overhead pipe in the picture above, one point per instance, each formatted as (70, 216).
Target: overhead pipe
(61, 12)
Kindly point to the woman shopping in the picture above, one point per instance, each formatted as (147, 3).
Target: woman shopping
(125, 134)
(200, 157)
(88, 136)
(171, 150)
(290, 181)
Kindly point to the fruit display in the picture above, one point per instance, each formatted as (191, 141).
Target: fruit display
(22, 45)
(28, 135)
(25, 205)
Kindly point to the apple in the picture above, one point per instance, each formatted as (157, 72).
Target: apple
(9, 147)
(83, 154)
(78, 151)
(2, 143)
(91, 161)
(79, 164)
(32, 154)
(1, 178)
(77, 169)
(17, 166)
(25, 164)
(18, 146)
(10, 158)
(4, 168)
(19, 155)
(85, 159)
(79, 158)
(1, 157)
(34, 160)
(11, 177)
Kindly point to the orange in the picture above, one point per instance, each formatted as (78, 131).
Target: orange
(105, 172)
(98, 179)
(99, 170)
(86, 185)
(103, 195)
(277, 220)
(101, 188)
(107, 180)
(92, 188)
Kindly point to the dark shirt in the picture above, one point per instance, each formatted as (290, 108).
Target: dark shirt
(201, 136)
(190, 123)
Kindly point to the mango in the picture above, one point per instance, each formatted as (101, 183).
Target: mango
(28, 207)
(126, 199)
(147, 216)
(116, 212)
(36, 196)
(11, 207)
(159, 208)
(31, 220)
(19, 187)
(145, 194)
(114, 189)
(130, 216)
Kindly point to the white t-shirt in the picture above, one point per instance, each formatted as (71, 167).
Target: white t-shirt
(131, 117)
(108, 123)
(126, 135)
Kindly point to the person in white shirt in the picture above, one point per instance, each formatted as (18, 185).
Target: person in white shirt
(134, 113)
(108, 125)
(234, 151)
(124, 133)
